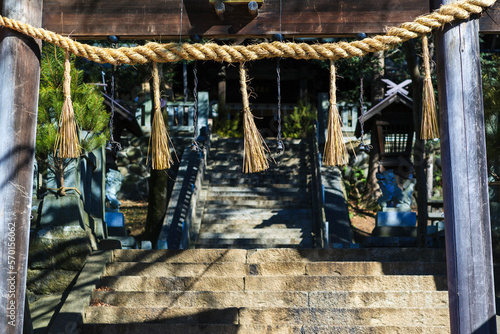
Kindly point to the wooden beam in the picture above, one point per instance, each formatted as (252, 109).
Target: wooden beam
(160, 19)
(155, 19)
(465, 182)
(19, 75)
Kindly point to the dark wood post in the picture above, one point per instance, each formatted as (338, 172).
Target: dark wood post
(19, 82)
(466, 205)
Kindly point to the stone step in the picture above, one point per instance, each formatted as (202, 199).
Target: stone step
(346, 268)
(263, 176)
(260, 190)
(304, 198)
(359, 316)
(349, 283)
(256, 202)
(269, 233)
(250, 230)
(426, 255)
(152, 328)
(161, 269)
(292, 163)
(229, 180)
(252, 221)
(272, 316)
(254, 214)
(232, 226)
(277, 283)
(238, 167)
(180, 255)
(289, 158)
(300, 299)
(238, 244)
(359, 254)
(230, 269)
(250, 241)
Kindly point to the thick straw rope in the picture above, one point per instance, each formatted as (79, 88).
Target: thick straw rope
(335, 152)
(158, 142)
(67, 143)
(173, 52)
(429, 128)
(254, 155)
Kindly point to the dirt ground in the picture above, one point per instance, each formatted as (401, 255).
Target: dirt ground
(362, 221)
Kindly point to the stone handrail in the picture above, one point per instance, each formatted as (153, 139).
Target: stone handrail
(178, 225)
(320, 226)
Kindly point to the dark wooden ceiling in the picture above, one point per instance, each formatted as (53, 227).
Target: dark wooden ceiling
(160, 19)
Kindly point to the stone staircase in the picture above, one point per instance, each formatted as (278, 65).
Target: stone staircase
(225, 291)
(260, 210)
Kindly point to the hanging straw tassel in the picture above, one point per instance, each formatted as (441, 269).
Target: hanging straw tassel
(160, 151)
(429, 129)
(335, 153)
(67, 143)
(254, 156)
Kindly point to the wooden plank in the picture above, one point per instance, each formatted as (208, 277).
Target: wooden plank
(19, 75)
(465, 184)
(161, 18)
(489, 23)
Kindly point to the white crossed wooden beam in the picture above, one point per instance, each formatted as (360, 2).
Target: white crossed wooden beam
(396, 88)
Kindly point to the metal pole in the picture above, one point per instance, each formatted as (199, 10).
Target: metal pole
(19, 81)
(466, 204)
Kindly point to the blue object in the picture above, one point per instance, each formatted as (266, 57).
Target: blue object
(116, 223)
(396, 218)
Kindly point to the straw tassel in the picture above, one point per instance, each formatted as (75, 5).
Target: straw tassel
(254, 156)
(429, 127)
(67, 144)
(158, 142)
(335, 153)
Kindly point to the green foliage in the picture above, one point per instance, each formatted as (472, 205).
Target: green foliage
(299, 123)
(88, 105)
(491, 96)
(354, 179)
(227, 125)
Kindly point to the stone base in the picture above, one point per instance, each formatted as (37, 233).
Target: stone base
(394, 231)
(56, 255)
(63, 211)
(60, 247)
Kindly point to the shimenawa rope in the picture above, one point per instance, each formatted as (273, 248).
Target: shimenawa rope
(254, 155)
(160, 150)
(429, 128)
(335, 153)
(67, 143)
(173, 52)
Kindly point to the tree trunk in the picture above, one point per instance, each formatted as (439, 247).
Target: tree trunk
(372, 190)
(418, 149)
(378, 73)
(429, 162)
(157, 203)
(60, 174)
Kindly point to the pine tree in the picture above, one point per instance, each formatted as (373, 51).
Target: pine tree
(90, 113)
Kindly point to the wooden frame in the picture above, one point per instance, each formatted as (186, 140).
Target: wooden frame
(160, 19)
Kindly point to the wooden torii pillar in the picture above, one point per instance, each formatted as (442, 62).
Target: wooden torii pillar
(465, 184)
(19, 82)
